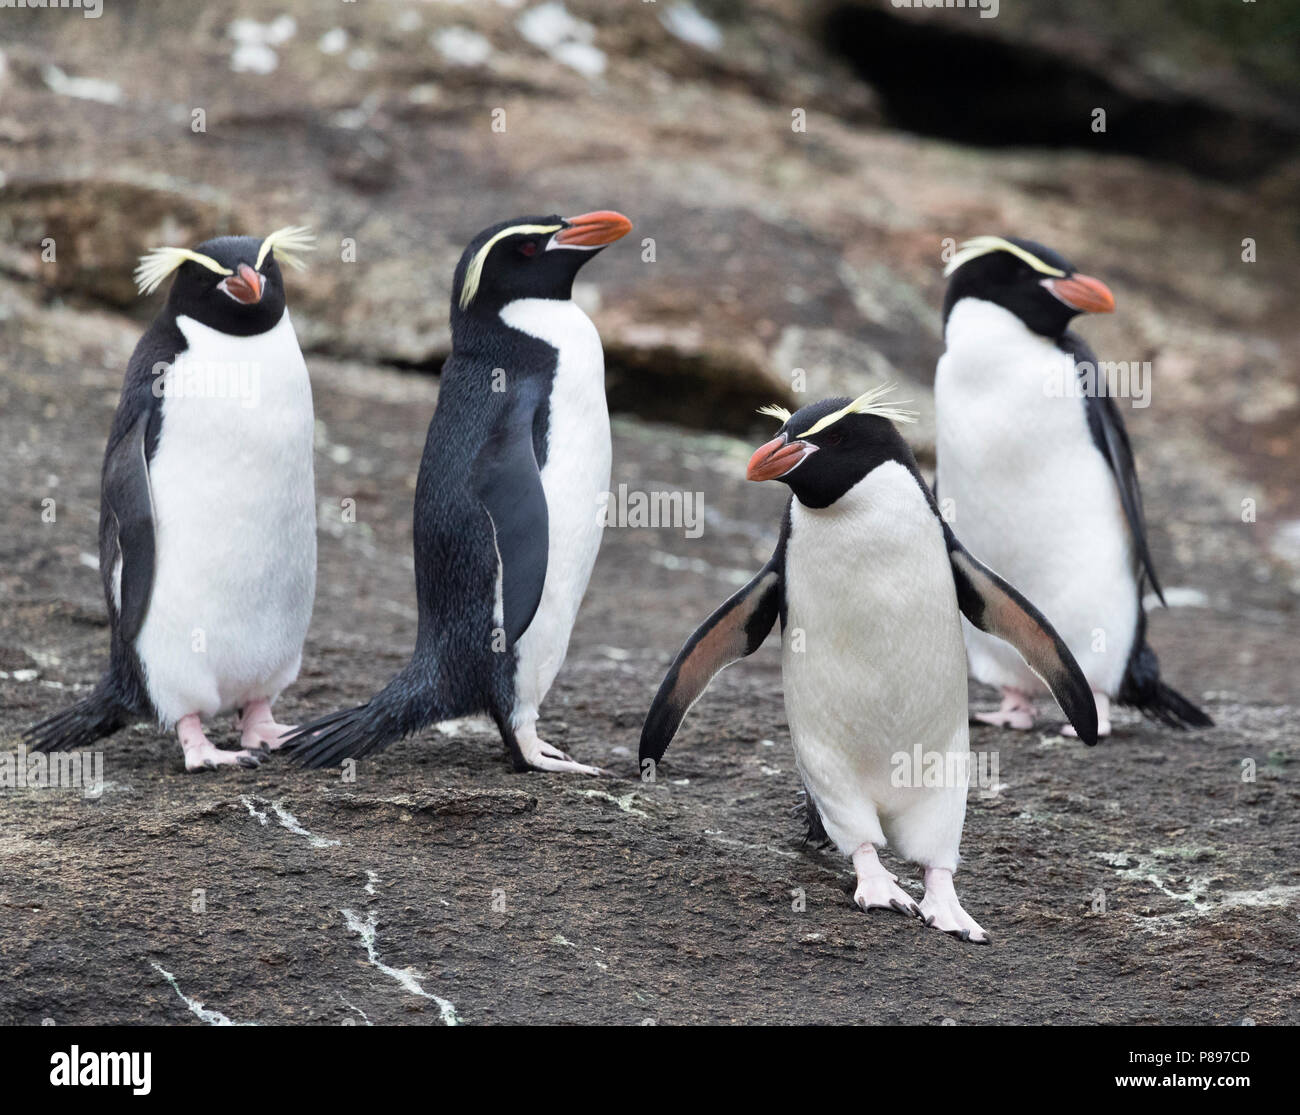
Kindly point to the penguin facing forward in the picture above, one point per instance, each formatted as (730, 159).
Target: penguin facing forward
(207, 526)
(869, 584)
(507, 501)
(1033, 452)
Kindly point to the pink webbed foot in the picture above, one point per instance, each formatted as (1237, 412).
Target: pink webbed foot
(1103, 718)
(258, 729)
(540, 755)
(1016, 711)
(941, 910)
(878, 889)
(202, 754)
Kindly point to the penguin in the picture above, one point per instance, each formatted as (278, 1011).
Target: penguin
(207, 524)
(869, 584)
(1042, 478)
(507, 501)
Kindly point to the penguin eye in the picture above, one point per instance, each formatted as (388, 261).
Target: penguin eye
(835, 437)
(528, 248)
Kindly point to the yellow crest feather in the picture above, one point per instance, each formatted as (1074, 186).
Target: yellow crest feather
(287, 243)
(157, 264)
(869, 402)
(982, 245)
(474, 272)
(775, 410)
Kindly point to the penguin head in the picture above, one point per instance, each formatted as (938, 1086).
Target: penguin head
(825, 448)
(1033, 282)
(530, 257)
(232, 284)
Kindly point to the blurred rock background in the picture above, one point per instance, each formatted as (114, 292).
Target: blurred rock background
(773, 248)
(759, 250)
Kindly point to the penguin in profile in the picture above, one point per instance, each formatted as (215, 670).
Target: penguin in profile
(1033, 452)
(507, 502)
(870, 583)
(207, 523)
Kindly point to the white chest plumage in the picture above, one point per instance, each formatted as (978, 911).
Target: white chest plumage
(575, 477)
(873, 665)
(1032, 497)
(235, 523)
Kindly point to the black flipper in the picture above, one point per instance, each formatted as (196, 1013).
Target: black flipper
(735, 630)
(507, 481)
(128, 499)
(994, 606)
(126, 532)
(1111, 439)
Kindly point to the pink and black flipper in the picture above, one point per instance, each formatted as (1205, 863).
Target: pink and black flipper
(734, 631)
(993, 605)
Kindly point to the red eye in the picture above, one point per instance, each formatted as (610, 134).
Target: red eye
(528, 248)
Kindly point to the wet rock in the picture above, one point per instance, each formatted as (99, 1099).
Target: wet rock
(84, 236)
(438, 803)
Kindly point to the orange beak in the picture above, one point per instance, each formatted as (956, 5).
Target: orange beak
(245, 286)
(1083, 293)
(776, 458)
(594, 230)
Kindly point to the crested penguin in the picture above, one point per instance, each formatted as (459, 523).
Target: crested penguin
(507, 501)
(207, 525)
(1033, 453)
(870, 583)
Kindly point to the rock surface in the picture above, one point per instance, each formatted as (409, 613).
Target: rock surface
(1143, 881)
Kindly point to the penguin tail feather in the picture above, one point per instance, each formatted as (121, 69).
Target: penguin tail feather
(403, 706)
(815, 831)
(83, 724)
(1143, 690)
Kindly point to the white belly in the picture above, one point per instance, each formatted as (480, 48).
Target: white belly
(1032, 497)
(575, 479)
(873, 665)
(235, 525)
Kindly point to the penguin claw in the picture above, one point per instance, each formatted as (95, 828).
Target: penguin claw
(202, 754)
(910, 908)
(941, 910)
(547, 764)
(1017, 723)
(882, 892)
(1016, 712)
(259, 730)
(540, 755)
(216, 759)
